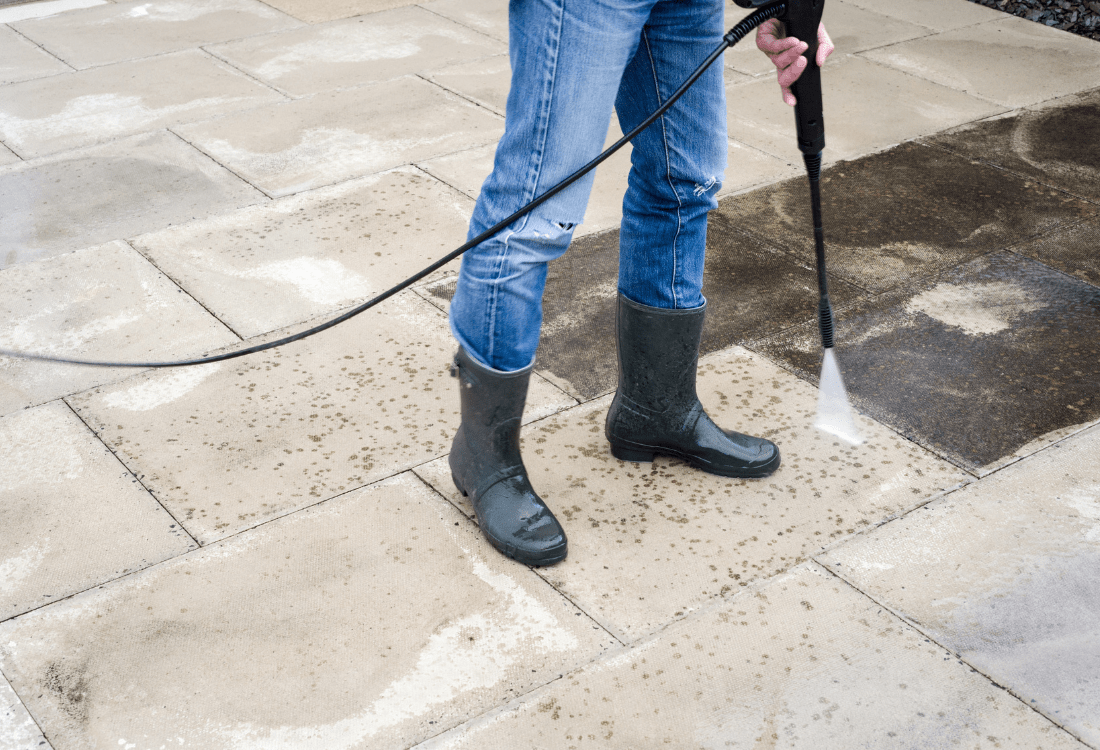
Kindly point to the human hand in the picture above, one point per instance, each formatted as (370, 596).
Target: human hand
(786, 53)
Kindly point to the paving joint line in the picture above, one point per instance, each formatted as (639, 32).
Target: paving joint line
(71, 67)
(961, 660)
(179, 285)
(249, 76)
(225, 167)
(460, 95)
(459, 23)
(23, 703)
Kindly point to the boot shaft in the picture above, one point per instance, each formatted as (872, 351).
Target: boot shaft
(658, 354)
(492, 411)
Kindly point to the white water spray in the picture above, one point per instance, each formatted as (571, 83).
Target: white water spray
(834, 413)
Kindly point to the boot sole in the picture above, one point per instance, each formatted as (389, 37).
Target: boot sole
(551, 556)
(645, 455)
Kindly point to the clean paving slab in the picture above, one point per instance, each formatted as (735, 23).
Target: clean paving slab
(650, 543)
(906, 213)
(7, 157)
(17, 729)
(1009, 61)
(71, 516)
(803, 662)
(131, 30)
(318, 11)
(103, 302)
(868, 108)
(342, 54)
(309, 143)
(71, 111)
(368, 622)
(484, 81)
(1005, 573)
(851, 27)
(267, 267)
(21, 60)
(1056, 143)
(940, 15)
(112, 191)
(487, 16)
(985, 363)
(230, 445)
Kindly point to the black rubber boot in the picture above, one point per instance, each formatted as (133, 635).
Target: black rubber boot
(656, 409)
(486, 465)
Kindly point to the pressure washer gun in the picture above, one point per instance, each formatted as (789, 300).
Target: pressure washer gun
(801, 18)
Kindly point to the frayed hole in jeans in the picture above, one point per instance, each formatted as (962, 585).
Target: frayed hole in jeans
(700, 189)
(565, 227)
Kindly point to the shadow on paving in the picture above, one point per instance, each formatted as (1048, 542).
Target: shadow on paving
(975, 363)
(1059, 145)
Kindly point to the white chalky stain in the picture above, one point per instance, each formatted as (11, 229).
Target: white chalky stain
(322, 281)
(21, 445)
(978, 309)
(15, 570)
(1087, 503)
(17, 728)
(160, 389)
(345, 44)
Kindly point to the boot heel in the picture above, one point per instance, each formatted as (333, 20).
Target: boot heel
(636, 455)
(458, 486)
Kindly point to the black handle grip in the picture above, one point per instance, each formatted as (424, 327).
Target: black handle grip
(802, 19)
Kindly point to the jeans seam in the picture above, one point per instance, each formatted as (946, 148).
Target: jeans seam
(668, 170)
(538, 153)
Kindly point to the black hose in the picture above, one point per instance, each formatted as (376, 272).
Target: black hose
(732, 37)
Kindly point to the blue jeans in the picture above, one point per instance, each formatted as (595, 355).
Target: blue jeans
(572, 64)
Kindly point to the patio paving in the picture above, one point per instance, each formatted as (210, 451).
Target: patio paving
(270, 553)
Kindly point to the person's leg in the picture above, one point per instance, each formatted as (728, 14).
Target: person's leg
(567, 61)
(677, 171)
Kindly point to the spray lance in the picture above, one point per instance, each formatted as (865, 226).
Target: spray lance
(802, 18)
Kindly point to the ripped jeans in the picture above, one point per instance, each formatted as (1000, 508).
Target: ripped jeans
(573, 63)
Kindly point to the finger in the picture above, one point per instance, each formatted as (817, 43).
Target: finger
(788, 58)
(769, 38)
(824, 45)
(788, 97)
(790, 74)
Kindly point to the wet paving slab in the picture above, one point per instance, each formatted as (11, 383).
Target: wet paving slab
(71, 516)
(121, 189)
(91, 106)
(20, 60)
(651, 543)
(803, 662)
(906, 213)
(984, 363)
(103, 302)
(230, 445)
(17, 729)
(1010, 61)
(1057, 143)
(367, 622)
(266, 267)
(752, 291)
(1074, 251)
(352, 52)
(136, 29)
(329, 138)
(1005, 574)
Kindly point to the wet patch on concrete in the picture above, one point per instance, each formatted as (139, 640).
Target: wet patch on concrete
(752, 290)
(1057, 144)
(1074, 251)
(909, 212)
(975, 364)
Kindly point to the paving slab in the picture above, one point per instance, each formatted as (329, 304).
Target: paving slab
(940, 15)
(368, 622)
(270, 266)
(21, 11)
(227, 446)
(328, 138)
(851, 27)
(901, 108)
(1004, 340)
(131, 30)
(342, 54)
(318, 11)
(104, 302)
(485, 81)
(1005, 574)
(71, 111)
(108, 192)
(17, 729)
(21, 60)
(7, 157)
(805, 662)
(1072, 251)
(910, 212)
(487, 16)
(1057, 143)
(650, 543)
(752, 291)
(71, 516)
(1009, 61)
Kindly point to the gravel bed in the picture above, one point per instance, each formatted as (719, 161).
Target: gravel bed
(1080, 17)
